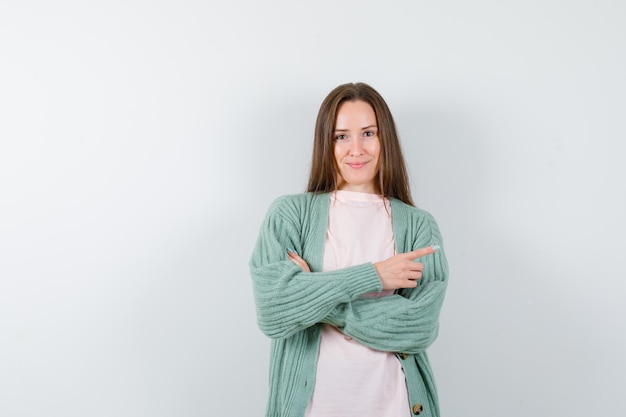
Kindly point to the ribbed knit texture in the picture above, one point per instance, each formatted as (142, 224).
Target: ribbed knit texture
(291, 303)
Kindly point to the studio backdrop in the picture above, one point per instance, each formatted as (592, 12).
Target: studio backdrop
(141, 143)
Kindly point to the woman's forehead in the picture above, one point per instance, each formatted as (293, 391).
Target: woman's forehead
(355, 115)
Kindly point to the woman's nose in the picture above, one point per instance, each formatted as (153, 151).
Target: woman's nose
(356, 148)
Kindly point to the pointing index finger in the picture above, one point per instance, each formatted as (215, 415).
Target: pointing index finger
(418, 253)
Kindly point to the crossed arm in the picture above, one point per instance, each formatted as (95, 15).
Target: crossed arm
(405, 322)
(290, 298)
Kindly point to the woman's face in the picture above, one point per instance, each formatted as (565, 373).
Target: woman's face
(357, 147)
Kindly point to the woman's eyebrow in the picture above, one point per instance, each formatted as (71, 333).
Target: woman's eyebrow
(363, 128)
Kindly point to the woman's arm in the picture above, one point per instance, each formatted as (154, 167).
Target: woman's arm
(289, 299)
(397, 323)
(407, 322)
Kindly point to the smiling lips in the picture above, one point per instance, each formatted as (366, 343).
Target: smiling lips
(357, 165)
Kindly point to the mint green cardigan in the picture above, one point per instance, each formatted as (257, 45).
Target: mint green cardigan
(292, 304)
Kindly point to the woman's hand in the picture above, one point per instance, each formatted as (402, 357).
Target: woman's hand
(295, 258)
(400, 271)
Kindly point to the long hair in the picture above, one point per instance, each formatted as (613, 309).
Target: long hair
(392, 178)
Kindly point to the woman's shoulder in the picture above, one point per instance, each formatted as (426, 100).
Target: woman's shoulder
(294, 204)
(409, 210)
(301, 198)
(412, 215)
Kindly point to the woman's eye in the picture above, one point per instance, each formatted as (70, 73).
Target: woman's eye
(340, 136)
(368, 133)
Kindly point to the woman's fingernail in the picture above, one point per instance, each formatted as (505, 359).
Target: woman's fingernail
(436, 247)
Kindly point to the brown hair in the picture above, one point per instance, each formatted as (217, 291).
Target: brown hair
(392, 177)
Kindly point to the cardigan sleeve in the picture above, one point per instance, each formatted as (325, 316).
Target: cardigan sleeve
(407, 322)
(288, 299)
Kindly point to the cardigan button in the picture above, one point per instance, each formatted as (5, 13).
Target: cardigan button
(404, 356)
(417, 409)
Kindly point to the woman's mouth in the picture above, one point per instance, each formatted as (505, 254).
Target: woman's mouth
(357, 165)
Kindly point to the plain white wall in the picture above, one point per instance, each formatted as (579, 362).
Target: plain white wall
(141, 143)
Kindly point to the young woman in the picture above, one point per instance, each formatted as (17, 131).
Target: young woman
(349, 278)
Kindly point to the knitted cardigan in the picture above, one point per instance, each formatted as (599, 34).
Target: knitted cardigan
(292, 304)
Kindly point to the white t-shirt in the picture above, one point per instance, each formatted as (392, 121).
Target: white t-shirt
(352, 379)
